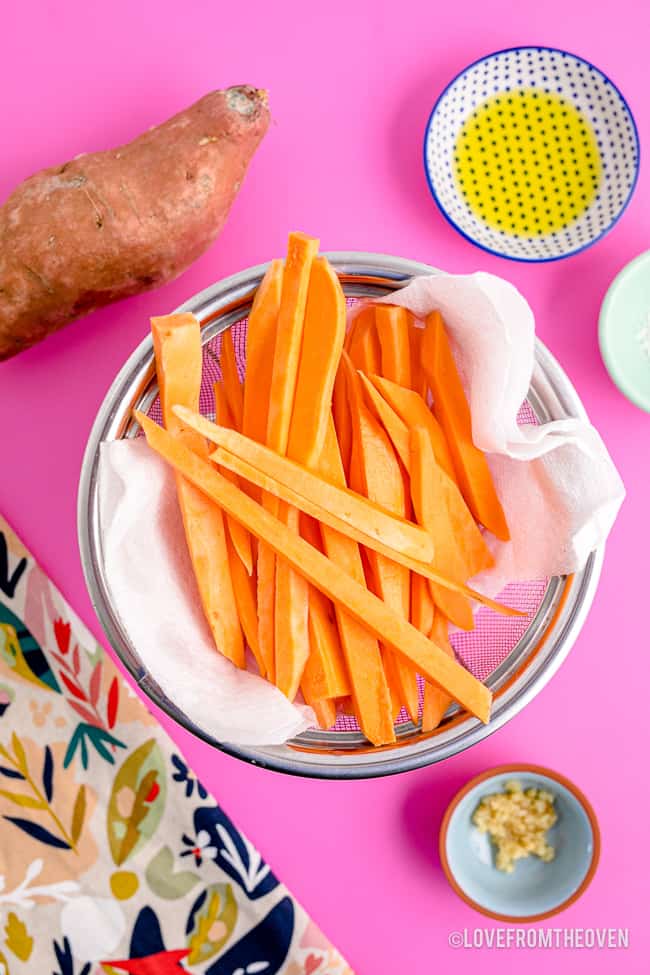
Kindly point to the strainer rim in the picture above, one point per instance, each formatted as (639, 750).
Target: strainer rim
(135, 375)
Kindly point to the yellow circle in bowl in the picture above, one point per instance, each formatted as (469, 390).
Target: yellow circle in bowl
(527, 162)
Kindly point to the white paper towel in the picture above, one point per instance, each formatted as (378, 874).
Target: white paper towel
(558, 485)
(151, 581)
(559, 489)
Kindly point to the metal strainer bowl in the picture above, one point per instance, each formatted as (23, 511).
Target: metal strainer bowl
(515, 656)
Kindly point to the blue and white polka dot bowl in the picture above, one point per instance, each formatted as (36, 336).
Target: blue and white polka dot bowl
(532, 153)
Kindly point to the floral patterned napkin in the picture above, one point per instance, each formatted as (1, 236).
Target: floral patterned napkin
(113, 857)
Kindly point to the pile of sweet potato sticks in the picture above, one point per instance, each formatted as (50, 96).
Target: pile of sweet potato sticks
(335, 526)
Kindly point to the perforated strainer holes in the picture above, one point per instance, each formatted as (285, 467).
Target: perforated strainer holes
(527, 162)
(485, 647)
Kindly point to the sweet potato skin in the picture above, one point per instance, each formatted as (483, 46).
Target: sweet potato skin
(112, 224)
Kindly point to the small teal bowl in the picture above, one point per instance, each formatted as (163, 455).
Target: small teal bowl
(554, 73)
(624, 331)
(535, 890)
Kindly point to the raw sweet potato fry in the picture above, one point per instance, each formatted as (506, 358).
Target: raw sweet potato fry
(244, 588)
(266, 565)
(325, 711)
(325, 649)
(418, 379)
(397, 431)
(393, 424)
(452, 409)
(345, 526)
(349, 335)
(370, 691)
(383, 483)
(224, 458)
(177, 348)
(364, 349)
(288, 340)
(240, 538)
(291, 623)
(436, 701)
(346, 505)
(291, 618)
(232, 387)
(323, 332)
(322, 341)
(326, 662)
(392, 323)
(422, 605)
(414, 412)
(390, 668)
(291, 635)
(342, 421)
(432, 512)
(346, 706)
(354, 475)
(260, 346)
(424, 655)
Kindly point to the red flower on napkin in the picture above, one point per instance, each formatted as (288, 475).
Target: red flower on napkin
(62, 634)
(162, 963)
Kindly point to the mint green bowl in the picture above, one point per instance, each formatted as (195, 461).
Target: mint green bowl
(624, 331)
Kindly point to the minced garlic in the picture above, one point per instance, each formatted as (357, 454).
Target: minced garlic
(517, 822)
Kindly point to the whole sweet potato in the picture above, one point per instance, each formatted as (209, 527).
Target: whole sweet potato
(112, 224)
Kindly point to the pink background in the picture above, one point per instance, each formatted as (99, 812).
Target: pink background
(351, 86)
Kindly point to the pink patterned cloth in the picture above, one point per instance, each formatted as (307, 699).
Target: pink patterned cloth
(113, 857)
